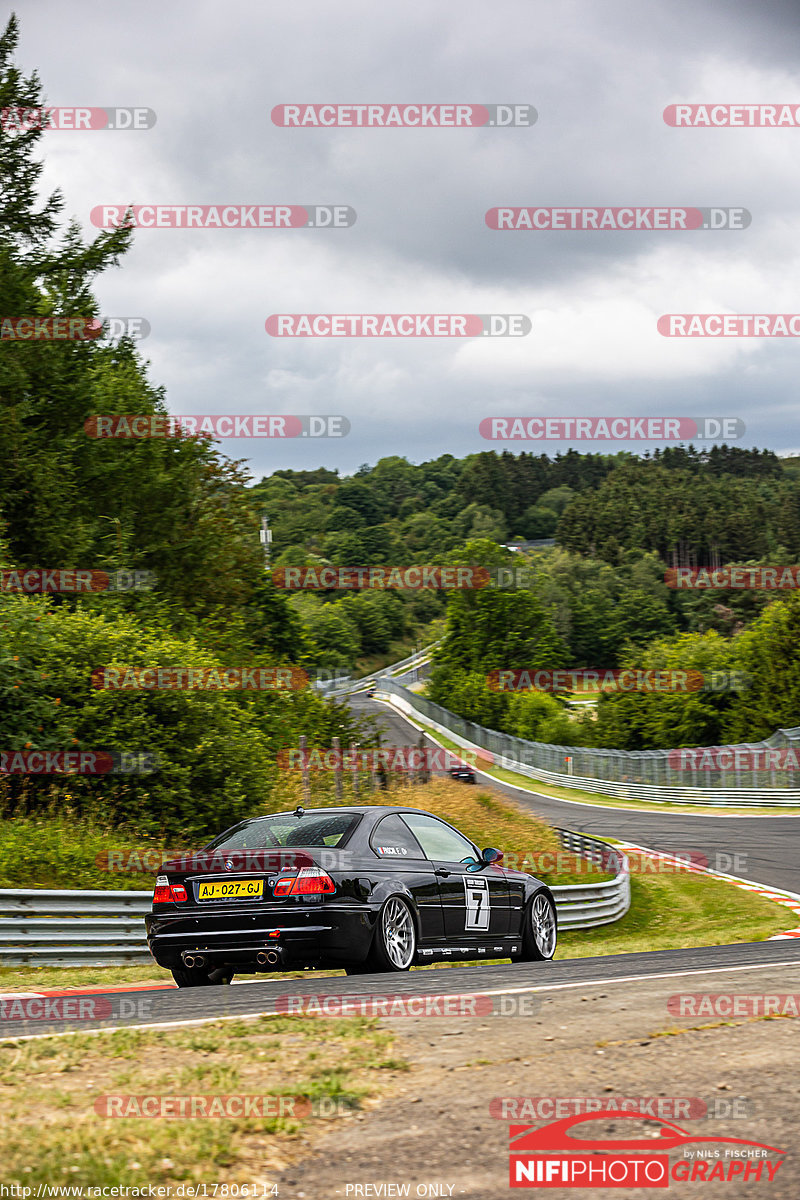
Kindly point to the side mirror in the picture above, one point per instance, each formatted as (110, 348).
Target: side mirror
(489, 856)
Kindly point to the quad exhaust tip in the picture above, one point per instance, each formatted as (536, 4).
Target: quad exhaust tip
(194, 960)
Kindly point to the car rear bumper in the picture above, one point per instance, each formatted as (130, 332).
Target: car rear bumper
(339, 933)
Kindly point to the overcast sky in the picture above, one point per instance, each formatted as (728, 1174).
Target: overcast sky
(598, 72)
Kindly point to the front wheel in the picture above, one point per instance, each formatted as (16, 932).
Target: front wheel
(395, 941)
(539, 929)
(201, 976)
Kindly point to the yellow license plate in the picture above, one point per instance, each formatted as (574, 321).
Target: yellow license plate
(231, 889)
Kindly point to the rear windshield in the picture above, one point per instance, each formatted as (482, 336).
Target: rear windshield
(285, 829)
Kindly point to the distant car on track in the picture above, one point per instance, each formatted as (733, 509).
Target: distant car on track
(371, 888)
(463, 772)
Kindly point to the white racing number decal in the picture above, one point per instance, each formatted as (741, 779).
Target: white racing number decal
(477, 891)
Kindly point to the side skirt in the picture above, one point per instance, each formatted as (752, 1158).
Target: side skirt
(500, 948)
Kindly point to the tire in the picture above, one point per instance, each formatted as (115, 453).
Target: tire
(539, 929)
(394, 947)
(201, 976)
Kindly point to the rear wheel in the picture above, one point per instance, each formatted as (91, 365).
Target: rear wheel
(201, 976)
(395, 941)
(539, 930)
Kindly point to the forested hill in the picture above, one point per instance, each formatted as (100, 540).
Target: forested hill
(696, 506)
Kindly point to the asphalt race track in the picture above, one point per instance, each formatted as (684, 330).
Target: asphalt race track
(767, 846)
(154, 1007)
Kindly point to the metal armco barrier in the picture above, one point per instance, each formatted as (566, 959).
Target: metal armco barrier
(106, 929)
(624, 774)
(583, 906)
(347, 685)
(65, 928)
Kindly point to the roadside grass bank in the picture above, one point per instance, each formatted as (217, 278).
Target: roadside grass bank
(63, 852)
(53, 1135)
(404, 648)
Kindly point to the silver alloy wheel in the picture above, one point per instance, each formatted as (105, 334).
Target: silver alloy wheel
(397, 927)
(543, 925)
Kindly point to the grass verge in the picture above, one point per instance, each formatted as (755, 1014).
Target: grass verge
(53, 1135)
(62, 852)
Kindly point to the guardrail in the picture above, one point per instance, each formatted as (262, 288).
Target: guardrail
(72, 928)
(346, 685)
(585, 905)
(43, 928)
(619, 768)
(419, 656)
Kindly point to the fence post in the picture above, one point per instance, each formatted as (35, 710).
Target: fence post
(304, 768)
(337, 770)
(424, 772)
(354, 752)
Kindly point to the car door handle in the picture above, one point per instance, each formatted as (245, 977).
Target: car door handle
(441, 871)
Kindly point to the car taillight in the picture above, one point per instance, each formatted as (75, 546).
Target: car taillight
(165, 893)
(309, 881)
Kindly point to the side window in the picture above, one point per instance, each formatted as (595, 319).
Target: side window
(392, 839)
(439, 840)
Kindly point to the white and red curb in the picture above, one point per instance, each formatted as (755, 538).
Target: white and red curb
(84, 991)
(790, 900)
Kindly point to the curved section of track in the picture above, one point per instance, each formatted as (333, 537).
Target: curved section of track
(767, 846)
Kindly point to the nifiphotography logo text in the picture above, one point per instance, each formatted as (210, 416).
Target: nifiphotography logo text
(557, 1155)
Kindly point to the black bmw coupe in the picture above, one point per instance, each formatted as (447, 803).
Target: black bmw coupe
(373, 888)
